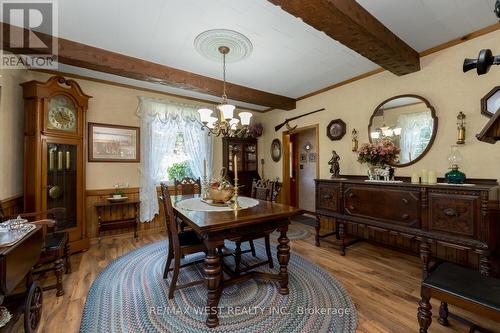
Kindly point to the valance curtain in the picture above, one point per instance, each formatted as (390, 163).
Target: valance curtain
(161, 121)
(415, 130)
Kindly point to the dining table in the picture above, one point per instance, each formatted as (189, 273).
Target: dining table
(255, 219)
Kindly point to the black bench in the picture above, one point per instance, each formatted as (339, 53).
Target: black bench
(462, 287)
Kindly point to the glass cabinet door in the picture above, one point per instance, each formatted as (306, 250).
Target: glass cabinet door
(251, 157)
(235, 149)
(62, 183)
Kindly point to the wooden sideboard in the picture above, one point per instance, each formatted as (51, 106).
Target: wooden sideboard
(453, 216)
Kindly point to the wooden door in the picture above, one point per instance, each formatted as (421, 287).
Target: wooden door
(292, 146)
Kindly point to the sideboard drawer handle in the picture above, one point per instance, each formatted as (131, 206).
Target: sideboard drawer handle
(327, 196)
(405, 201)
(450, 212)
(405, 216)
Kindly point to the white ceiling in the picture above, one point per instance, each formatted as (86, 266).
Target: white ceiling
(289, 58)
(423, 24)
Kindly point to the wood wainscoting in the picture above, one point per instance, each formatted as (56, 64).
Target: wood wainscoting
(95, 196)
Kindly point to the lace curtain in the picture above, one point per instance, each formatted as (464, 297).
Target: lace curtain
(416, 129)
(160, 122)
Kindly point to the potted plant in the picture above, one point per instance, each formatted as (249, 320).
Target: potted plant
(380, 157)
(117, 193)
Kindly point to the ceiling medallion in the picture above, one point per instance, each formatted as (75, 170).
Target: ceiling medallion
(209, 42)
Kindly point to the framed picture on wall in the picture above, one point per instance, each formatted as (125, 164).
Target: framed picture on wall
(313, 157)
(303, 157)
(113, 143)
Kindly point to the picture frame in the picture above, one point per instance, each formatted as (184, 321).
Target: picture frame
(336, 129)
(303, 157)
(276, 150)
(313, 157)
(113, 143)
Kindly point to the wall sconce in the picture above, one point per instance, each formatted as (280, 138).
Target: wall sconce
(461, 128)
(307, 147)
(354, 140)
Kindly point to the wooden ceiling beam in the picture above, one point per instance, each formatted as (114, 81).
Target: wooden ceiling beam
(97, 59)
(350, 24)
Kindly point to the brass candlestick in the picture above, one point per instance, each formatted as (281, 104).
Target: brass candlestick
(236, 204)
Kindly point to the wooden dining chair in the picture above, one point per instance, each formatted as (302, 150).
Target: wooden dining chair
(261, 189)
(180, 243)
(275, 190)
(187, 185)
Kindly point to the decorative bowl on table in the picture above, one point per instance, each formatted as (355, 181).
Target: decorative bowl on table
(220, 189)
(220, 195)
(117, 199)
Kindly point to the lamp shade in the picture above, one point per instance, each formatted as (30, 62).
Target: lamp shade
(205, 115)
(455, 157)
(211, 122)
(233, 123)
(245, 118)
(227, 110)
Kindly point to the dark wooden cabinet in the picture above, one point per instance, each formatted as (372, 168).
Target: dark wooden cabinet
(246, 152)
(54, 150)
(457, 217)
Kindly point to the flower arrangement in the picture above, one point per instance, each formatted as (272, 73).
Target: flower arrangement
(380, 153)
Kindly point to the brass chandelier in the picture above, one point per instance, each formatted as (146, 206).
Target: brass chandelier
(225, 125)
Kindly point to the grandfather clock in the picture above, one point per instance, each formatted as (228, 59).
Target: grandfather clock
(54, 150)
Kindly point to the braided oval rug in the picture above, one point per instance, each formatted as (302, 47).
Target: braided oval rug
(130, 295)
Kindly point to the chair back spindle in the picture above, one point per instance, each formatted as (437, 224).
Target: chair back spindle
(187, 186)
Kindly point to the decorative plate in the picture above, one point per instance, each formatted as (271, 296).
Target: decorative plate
(336, 129)
(117, 199)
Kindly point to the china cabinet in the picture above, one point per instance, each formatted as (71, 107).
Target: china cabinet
(54, 146)
(246, 151)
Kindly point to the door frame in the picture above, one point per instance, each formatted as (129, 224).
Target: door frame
(285, 199)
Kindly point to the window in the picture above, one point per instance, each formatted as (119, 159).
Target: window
(171, 139)
(176, 165)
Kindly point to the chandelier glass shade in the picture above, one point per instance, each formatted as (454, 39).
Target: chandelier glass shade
(225, 125)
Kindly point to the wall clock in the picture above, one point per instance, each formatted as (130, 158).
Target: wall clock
(62, 114)
(336, 129)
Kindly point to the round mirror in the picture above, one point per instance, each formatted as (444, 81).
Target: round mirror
(409, 121)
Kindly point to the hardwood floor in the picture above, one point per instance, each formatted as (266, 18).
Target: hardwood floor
(383, 283)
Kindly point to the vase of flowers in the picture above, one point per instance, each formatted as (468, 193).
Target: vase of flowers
(380, 157)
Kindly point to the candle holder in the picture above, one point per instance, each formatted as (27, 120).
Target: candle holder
(204, 194)
(236, 204)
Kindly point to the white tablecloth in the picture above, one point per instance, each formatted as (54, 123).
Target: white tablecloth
(196, 204)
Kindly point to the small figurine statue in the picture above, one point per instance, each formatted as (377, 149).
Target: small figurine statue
(334, 165)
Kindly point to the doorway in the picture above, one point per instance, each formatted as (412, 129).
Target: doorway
(300, 167)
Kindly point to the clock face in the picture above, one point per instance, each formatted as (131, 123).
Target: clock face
(62, 114)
